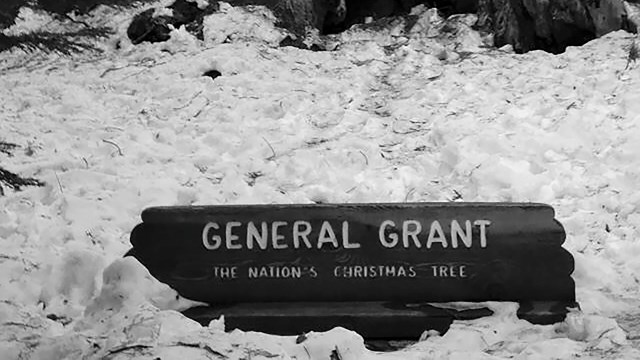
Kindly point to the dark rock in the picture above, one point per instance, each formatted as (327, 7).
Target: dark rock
(317, 47)
(212, 74)
(184, 11)
(191, 16)
(294, 42)
(298, 43)
(146, 27)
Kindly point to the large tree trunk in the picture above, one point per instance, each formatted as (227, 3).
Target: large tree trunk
(8, 11)
(550, 25)
(297, 15)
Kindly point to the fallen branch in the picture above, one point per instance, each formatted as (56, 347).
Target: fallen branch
(104, 73)
(15, 323)
(127, 348)
(204, 347)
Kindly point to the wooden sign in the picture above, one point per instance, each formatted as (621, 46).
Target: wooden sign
(399, 253)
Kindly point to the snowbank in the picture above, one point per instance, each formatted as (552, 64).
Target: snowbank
(388, 116)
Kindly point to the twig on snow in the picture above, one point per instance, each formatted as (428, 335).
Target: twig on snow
(59, 183)
(409, 193)
(201, 109)
(188, 102)
(270, 147)
(114, 144)
(366, 159)
(104, 73)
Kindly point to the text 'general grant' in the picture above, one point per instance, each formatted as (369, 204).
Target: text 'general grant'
(300, 234)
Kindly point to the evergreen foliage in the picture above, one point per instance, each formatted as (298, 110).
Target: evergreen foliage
(9, 179)
(7, 148)
(9, 8)
(15, 181)
(66, 42)
(63, 7)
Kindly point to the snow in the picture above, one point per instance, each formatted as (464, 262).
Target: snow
(388, 116)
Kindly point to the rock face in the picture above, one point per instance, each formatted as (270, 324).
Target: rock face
(550, 25)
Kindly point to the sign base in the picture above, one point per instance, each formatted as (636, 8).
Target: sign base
(372, 320)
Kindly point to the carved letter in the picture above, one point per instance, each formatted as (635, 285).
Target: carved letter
(345, 237)
(230, 237)
(381, 235)
(406, 233)
(327, 235)
(301, 234)
(213, 242)
(436, 235)
(260, 237)
(275, 237)
(483, 231)
(456, 231)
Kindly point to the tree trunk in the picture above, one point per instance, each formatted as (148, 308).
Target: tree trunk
(550, 25)
(297, 15)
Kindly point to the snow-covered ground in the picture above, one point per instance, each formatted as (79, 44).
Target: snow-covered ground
(387, 117)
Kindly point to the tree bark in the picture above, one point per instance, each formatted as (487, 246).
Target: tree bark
(550, 25)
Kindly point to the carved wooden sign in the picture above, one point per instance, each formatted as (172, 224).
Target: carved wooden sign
(403, 253)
